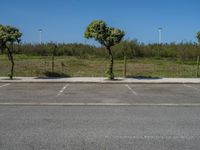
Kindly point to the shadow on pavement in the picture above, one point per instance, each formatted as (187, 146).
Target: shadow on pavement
(53, 75)
(144, 77)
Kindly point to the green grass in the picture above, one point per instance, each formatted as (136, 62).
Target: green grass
(96, 67)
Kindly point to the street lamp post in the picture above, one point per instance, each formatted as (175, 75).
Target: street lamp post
(40, 34)
(160, 35)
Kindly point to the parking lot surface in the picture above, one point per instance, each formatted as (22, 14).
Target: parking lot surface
(155, 116)
(99, 93)
(99, 128)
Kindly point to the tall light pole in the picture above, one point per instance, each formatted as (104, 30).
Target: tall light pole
(160, 35)
(40, 34)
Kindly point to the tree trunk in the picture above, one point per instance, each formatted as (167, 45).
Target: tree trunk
(110, 70)
(10, 57)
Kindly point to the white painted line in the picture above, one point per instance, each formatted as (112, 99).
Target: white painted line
(189, 86)
(5, 85)
(103, 104)
(62, 90)
(154, 137)
(134, 92)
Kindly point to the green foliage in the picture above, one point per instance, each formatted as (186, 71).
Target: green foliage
(95, 67)
(131, 48)
(8, 36)
(198, 36)
(75, 49)
(107, 37)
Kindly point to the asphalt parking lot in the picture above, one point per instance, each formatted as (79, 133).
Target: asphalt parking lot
(154, 116)
(133, 94)
(99, 128)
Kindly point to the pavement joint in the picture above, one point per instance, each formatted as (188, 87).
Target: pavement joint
(103, 104)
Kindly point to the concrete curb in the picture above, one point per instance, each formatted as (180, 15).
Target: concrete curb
(100, 80)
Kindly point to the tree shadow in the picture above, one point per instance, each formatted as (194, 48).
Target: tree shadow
(115, 79)
(144, 77)
(8, 78)
(53, 75)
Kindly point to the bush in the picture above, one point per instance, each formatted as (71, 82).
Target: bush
(130, 48)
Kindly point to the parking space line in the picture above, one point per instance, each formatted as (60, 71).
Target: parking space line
(154, 137)
(5, 85)
(62, 90)
(189, 86)
(134, 92)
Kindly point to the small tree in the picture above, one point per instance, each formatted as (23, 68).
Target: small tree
(8, 36)
(198, 36)
(106, 36)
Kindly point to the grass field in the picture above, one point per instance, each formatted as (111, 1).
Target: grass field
(96, 67)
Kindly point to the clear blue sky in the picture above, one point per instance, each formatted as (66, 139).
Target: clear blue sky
(66, 20)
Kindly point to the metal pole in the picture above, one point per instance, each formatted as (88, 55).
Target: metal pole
(40, 32)
(53, 54)
(52, 67)
(197, 66)
(160, 35)
(124, 66)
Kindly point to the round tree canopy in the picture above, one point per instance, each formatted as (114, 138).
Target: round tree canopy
(105, 35)
(198, 36)
(9, 34)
